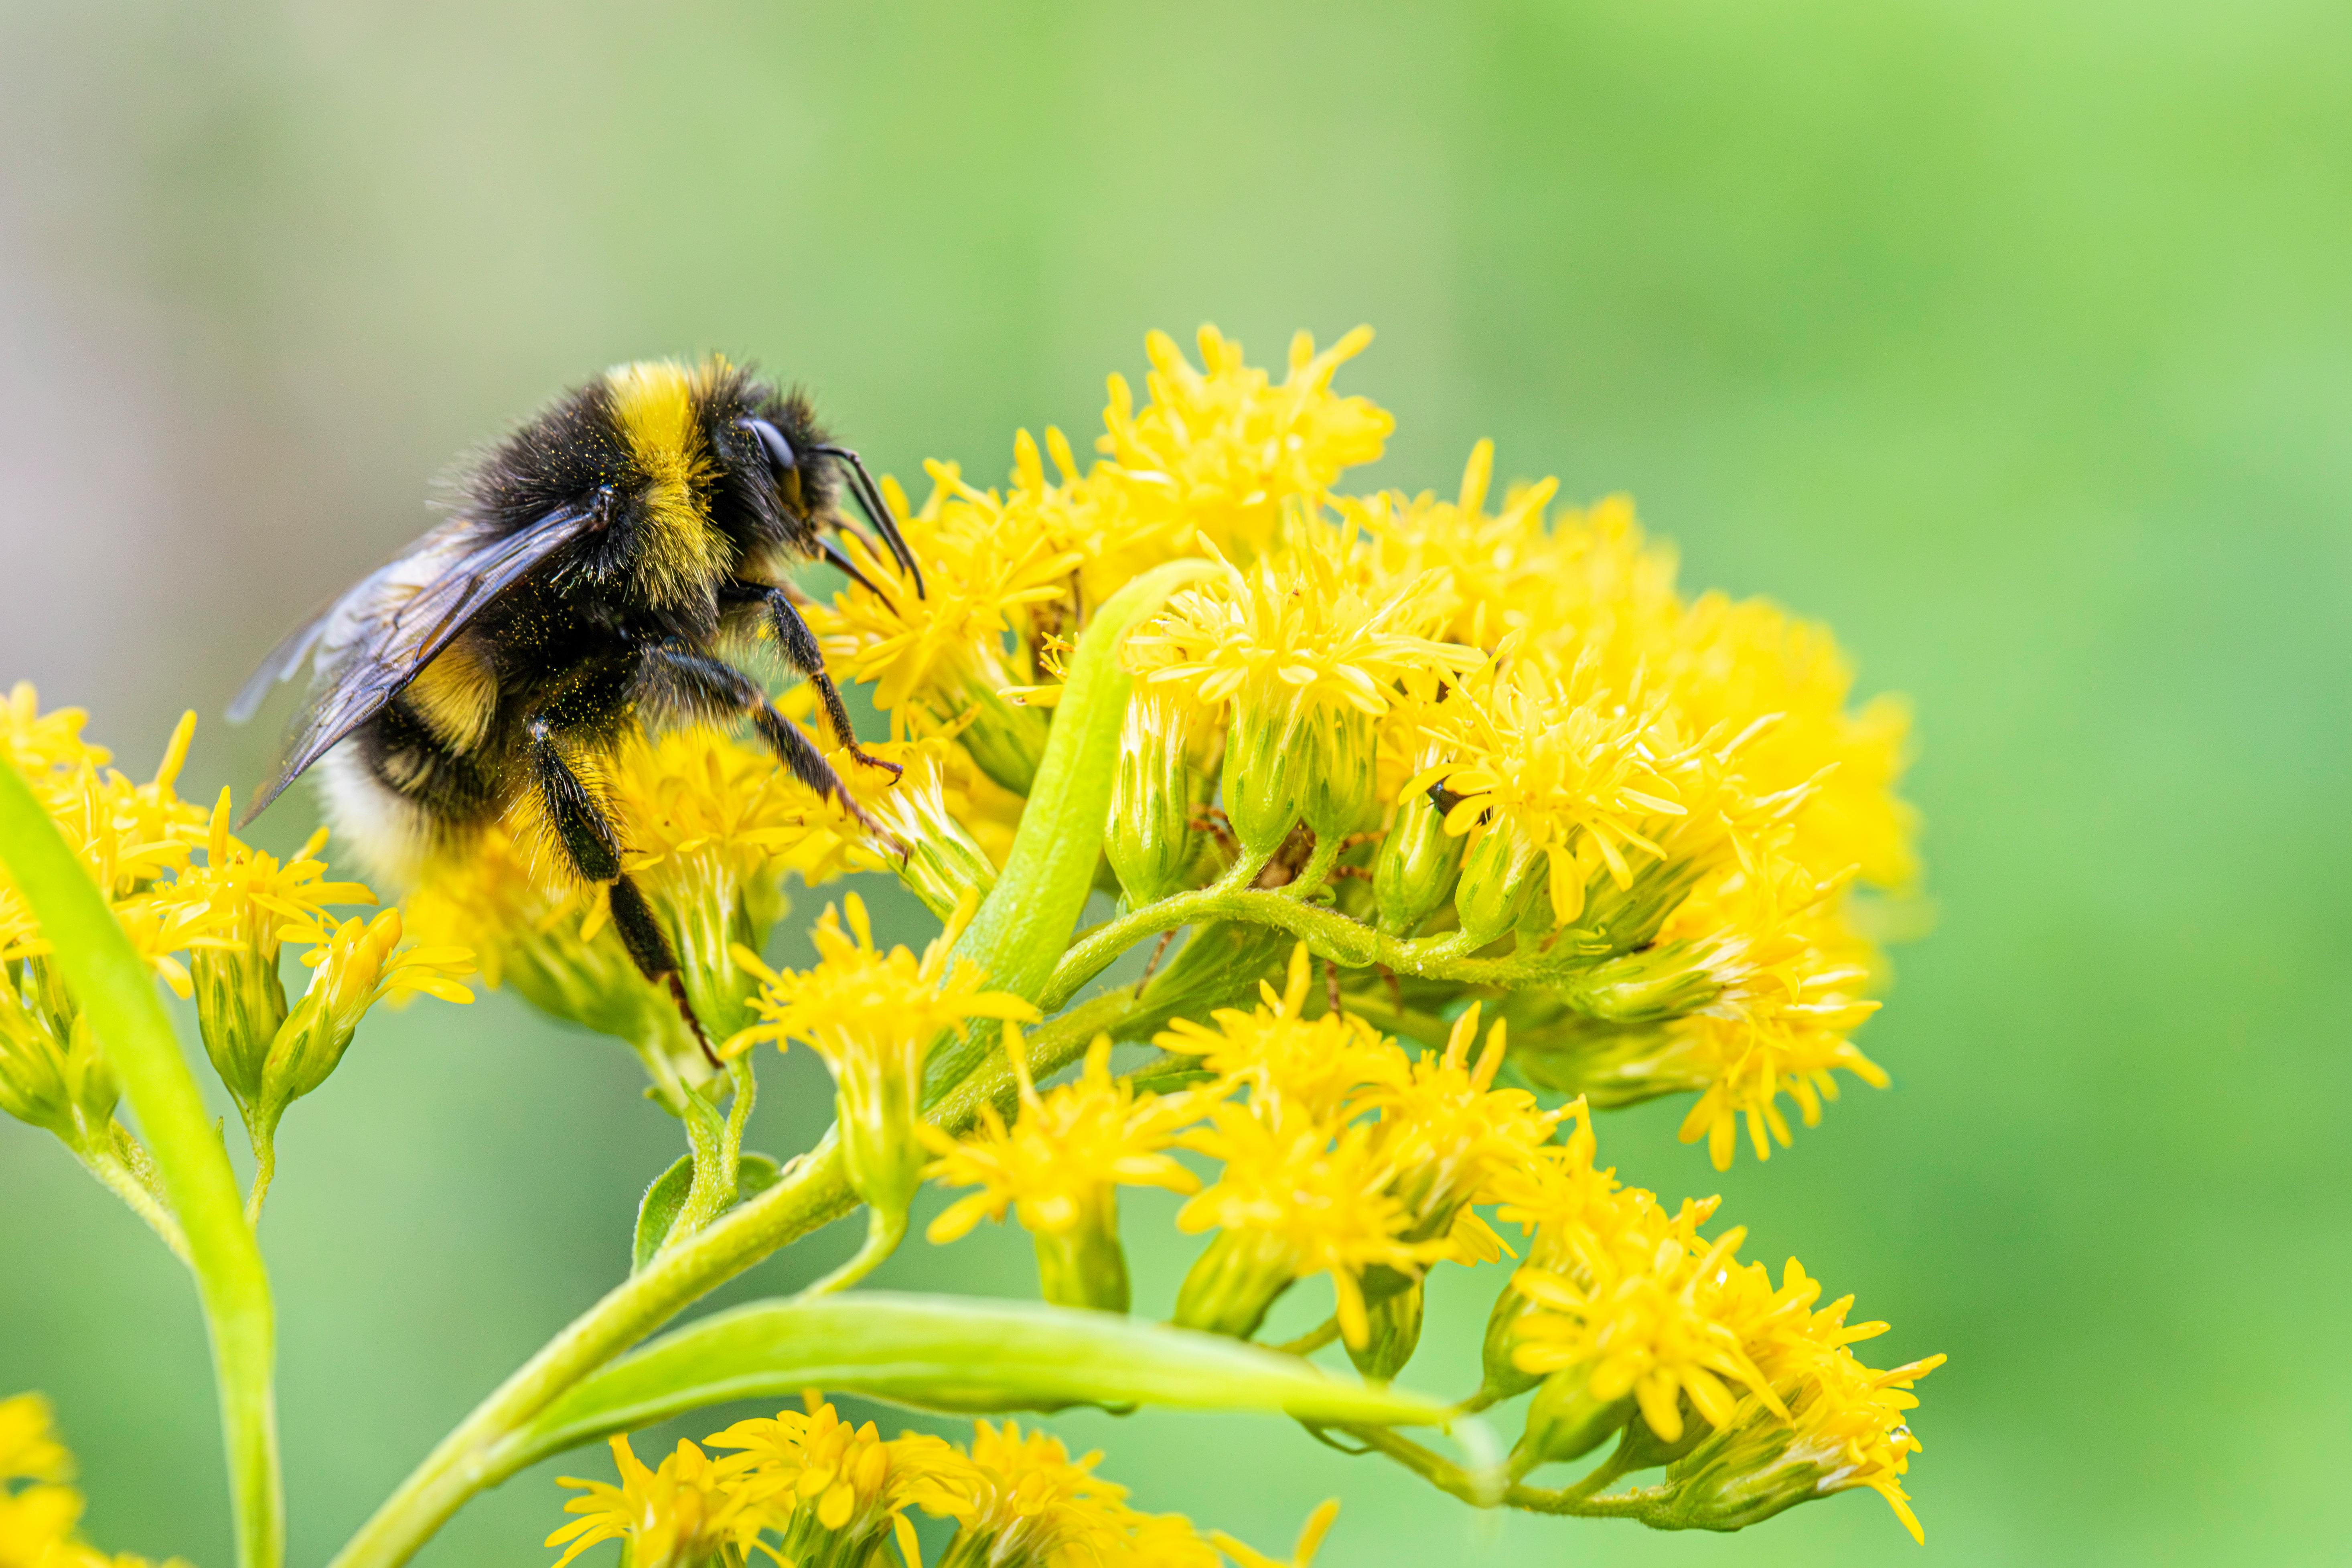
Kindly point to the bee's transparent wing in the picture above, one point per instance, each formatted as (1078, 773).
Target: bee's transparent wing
(376, 639)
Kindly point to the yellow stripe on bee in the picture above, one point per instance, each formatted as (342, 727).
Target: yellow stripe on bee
(654, 403)
(456, 695)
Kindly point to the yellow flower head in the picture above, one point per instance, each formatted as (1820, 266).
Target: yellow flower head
(987, 563)
(1304, 630)
(1486, 574)
(1449, 1134)
(1301, 1203)
(1852, 1418)
(1790, 973)
(44, 746)
(1318, 1066)
(677, 1516)
(251, 900)
(1059, 1162)
(1642, 1314)
(1215, 453)
(1032, 1503)
(821, 1482)
(872, 1016)
(29, 1449)
(1570, 772)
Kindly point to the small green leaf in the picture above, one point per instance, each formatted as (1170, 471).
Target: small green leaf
(657, 1211)
(958, 1354)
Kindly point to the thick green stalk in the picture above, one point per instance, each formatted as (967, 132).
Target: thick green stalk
(114, 991)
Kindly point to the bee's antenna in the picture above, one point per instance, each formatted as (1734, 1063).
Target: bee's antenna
(869, 497)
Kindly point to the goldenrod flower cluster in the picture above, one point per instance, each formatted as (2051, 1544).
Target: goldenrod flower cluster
(211, 916)
(809, 1489)
(39, 1509)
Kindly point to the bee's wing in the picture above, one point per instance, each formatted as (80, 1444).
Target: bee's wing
(376, 638)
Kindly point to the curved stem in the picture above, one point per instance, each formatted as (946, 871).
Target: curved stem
(882, 1234)
(1313, 1340)
(1643, 1503)
(112, 988)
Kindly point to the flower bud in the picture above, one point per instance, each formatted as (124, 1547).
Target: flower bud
(1085, 1266)
(359, 965)
(1496, 882)
(1611, 1065)
(1669, 980)
(1007, 740)
(1395, 1321)
(240, 1004)
(1743, 1475)
(1504, 1378)
(1233, 1283)
(1418, 866)
(1566, 1422)
(1151, 840)
(63, 1086)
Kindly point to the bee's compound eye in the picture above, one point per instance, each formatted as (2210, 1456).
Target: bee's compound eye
(779, 449)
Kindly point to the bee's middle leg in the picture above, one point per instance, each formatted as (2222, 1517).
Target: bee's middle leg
(591, 841)
(708, 688)
(797, 646)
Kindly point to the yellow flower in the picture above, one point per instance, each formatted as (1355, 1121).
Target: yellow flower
(1561, 769)
(1031, 1503)
(1304, 648)
(940, 658)
(29, 1449)
(356, 965)
(1788, 973)
(1293, 1201)
(1449, 1134)
(1318, 1066)
(37, 1521)
(832, 1490)
(1215, 453)
(1484, 574)
(43, 745)
(677, 1516)
(873, 1016)
(1060, 1165)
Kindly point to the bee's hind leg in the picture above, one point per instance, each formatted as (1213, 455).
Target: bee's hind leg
(593, 844)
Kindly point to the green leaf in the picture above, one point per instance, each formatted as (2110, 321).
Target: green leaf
(1020, 931)
(657, 1211)
(114, 991)
(958, 1353)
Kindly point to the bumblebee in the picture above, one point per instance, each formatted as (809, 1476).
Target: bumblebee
(593, 565)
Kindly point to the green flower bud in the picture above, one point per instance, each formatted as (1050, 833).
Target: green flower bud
(1233, 1283)
(1395, 1321)
(1007, 740)
(1418, 866)
(1151, 840)
(1085, 1266)
(62, 1085)
(1504, 1379)
(1314, 766)
(1743, 1475)
(1611, 1065)
(1497, 879)
(1670, 980)
(240, 1003)
(1566, 1422)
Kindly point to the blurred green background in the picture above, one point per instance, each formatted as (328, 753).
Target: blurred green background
(2013, 339)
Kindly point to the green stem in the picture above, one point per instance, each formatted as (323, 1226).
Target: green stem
(117, 1177)
(106, 977)
(1443, 1473)
(812, 1194)
(883, 1232)
(718, 1149)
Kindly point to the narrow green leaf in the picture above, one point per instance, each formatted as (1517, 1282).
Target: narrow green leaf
(114, 991)
(1021, 930)
(657, 1211)
(958, 1353)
